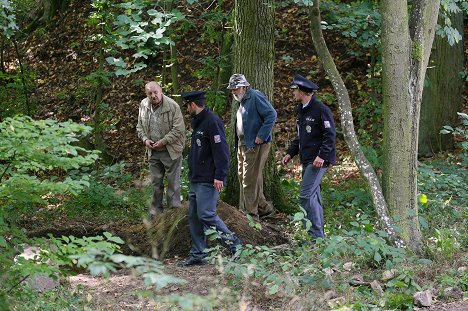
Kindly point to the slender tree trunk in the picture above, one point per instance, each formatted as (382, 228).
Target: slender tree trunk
(174, 73)
(347, 124)
(406, 44)
(254, 57)
(442, 95)
(2, 53)
(23, 79)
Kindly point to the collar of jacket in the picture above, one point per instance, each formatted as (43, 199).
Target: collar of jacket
(164, 105)
(199, 117)
(301, 109)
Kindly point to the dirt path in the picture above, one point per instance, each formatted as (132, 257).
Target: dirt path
(120, 291)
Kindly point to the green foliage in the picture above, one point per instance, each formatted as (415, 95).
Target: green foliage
(358, 22)
(448, 8)
(12, 92)
(442, 208)
(366, 246)
(61, 298)
(35, 157)
(65, 251)
(454, 279)
(444, 244)
(460, 133)
(131, 26)
(100, 256)
(7, 19)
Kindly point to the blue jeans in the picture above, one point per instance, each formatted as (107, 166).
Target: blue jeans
(203, 198)
(310, 198)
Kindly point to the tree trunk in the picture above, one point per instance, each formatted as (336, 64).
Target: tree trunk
(347, 123)
(254, 57)
(406, 44)
(442, 96)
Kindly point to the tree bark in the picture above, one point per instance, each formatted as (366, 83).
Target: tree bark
(442, 95)
(406, 44)
(254, 57)
(347, 124)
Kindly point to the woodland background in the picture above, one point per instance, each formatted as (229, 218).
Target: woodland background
(73, 177)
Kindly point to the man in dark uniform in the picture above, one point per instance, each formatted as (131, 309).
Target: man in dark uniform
(208, 163)
(315, 144)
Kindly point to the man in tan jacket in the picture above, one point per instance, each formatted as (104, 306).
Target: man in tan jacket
(161, 128)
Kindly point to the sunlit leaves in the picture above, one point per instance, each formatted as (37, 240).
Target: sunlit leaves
(136, 27)
(7, 19)
(34, 156)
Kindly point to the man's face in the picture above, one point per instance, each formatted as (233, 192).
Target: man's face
(154, 94)
(297, 95)
(191, 109)
(238, 93)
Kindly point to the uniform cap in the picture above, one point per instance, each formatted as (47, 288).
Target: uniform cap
(299, 82)
(193, 96)
(236, 81)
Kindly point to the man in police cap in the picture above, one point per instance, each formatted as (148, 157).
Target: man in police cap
(254, 123)
(208, 163)
(315, 144)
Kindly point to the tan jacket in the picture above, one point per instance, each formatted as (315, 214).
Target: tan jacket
(172, 125)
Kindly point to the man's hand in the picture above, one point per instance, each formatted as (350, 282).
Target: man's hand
(286, 159)
(149, 143)
(158, 145)
(218, 185)
(318, 162)
(258, 140)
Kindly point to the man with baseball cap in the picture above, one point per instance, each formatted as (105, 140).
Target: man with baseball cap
(315, 144)
(254, 123)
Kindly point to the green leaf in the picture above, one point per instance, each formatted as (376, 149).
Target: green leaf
(298, 216)
(377, 257)
(423, 222)
(273, 290)
(424, 261)
(119, 62)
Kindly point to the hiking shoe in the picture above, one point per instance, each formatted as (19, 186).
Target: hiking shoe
(192, 262)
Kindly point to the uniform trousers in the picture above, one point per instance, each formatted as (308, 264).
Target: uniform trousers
(203, 198)
(160, 165)
(250, 165)
(310, 198)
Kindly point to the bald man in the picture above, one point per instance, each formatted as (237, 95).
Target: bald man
(161, 128)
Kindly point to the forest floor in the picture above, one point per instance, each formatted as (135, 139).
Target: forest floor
(120, 291)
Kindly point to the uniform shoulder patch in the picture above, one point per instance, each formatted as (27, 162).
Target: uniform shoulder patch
(217, 139)
(326, 124)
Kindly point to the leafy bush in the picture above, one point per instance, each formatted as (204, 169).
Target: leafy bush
(35, 158)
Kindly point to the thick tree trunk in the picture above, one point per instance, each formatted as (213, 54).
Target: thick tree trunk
(347, 124)
(406, 44)
(442, 95)
(254, 57)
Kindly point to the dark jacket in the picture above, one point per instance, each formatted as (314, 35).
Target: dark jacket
(316, 133)
(258, 117)
(208, 157)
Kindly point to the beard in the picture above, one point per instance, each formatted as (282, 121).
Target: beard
(239, 97)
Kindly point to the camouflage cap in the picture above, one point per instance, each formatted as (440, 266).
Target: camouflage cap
(236, 81)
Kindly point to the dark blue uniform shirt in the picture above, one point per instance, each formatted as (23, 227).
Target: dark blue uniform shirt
(316, 133)
(208, 157)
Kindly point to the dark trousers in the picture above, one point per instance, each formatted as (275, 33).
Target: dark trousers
(203, 198)
(311, 200)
